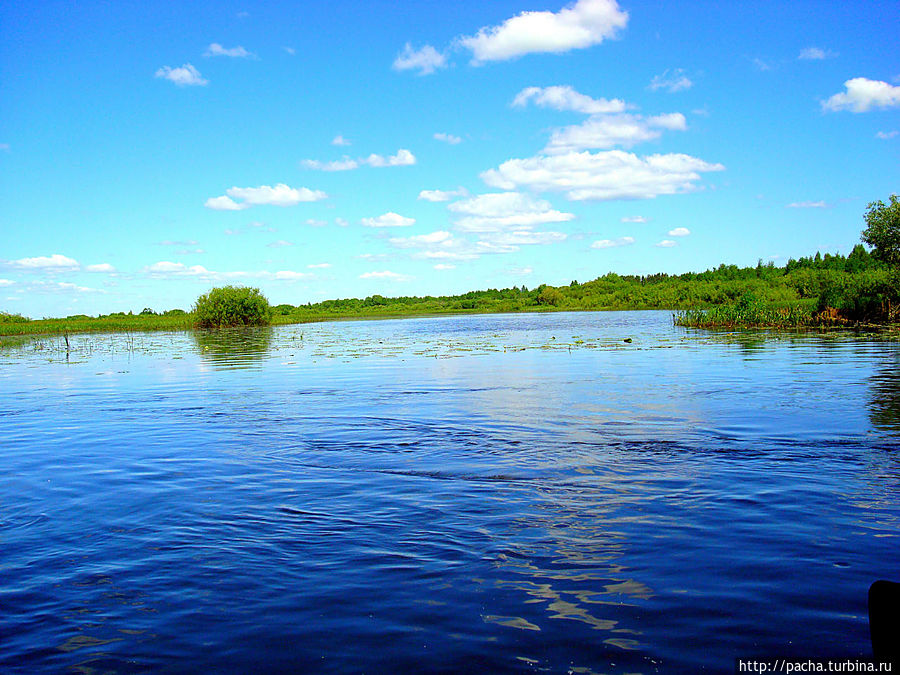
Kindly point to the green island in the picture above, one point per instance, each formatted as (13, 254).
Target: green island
(861, 289)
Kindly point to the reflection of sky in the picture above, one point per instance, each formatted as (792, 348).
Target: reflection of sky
(598, 485)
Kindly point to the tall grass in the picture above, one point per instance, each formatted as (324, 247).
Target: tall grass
(749, 312)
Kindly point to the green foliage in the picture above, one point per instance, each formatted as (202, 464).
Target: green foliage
(232, 306)
(872, 296)
(6, 317)
(882, 231)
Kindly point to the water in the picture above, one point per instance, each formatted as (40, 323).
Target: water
(512, 493)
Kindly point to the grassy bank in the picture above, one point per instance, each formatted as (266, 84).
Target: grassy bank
(810, 292)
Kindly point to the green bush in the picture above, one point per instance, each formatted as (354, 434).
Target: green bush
(6, 317)
(868, 296)
(232, 306)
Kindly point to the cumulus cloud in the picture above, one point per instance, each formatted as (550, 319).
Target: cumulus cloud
(679, 232)
(167, 268)
(671, 81)
(885, 135)
(635, 219)
(402, 158)
(510, 241)
(290, 275)
(666, 243)
(281, 243)
(496, 212)
(613, 174)
(386, 274)
(442, 195)
(101, 268)
(51, 263)
(608, 131)
(185, 76)
(613, 243)
(339, 140)
(808, 205)
(862, 95)
(389, 219)
(319, 266)
(444, 266)
(441, 245)
(280, 195)
(565, 98)
(426, 60)
(582, 24)
(448, 138)
(7, 282)
(215, 49)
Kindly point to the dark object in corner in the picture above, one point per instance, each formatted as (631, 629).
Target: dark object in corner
(884, 620)
(627, 340)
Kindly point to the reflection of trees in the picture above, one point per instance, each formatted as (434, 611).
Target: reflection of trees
(237, 347)
(884, 397)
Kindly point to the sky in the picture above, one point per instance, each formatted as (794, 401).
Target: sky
(319, 150)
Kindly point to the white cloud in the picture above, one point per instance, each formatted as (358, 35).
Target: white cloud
(313, 222)
(290, 50)
(386, 274)
(603, 175)
(281, 243)
(341, 222)
(441, 236)
(679, 232)
(635, 219)
(448, 138)
(808, 205)
(666, 243)
(402, 158)
(509, 241)
(440, 245)
(499, 211)
(280, 195)
(565, 98)
(100, 267)
(389, 219)
(339, 140)
(4, 147)
(166, 268)
(426, 60)
(289, 275)
(215, 49)
(613, 243)
(444, 266)
(607, 131)
(442, 195)
(582, 24)
(862, 95)
(185, 76)
(61, 287)
(7, 282)
(223, 203)
(52, 263)
(761, 65)
(521, 271)
(885, 135)
(813, 54)
(671, 81)
(319, 266)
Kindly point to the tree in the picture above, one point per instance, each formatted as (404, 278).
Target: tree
(882, 231)
(232, 306)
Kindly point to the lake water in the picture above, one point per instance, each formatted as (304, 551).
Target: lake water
(502, 493)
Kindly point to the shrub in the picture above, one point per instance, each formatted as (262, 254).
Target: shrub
(7, 317)
(232, 306)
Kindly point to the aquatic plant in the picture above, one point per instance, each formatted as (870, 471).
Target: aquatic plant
(232, 306)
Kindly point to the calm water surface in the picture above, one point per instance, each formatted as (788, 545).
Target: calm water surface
(513, 493)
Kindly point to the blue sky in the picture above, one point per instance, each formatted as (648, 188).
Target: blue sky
(150, 151)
